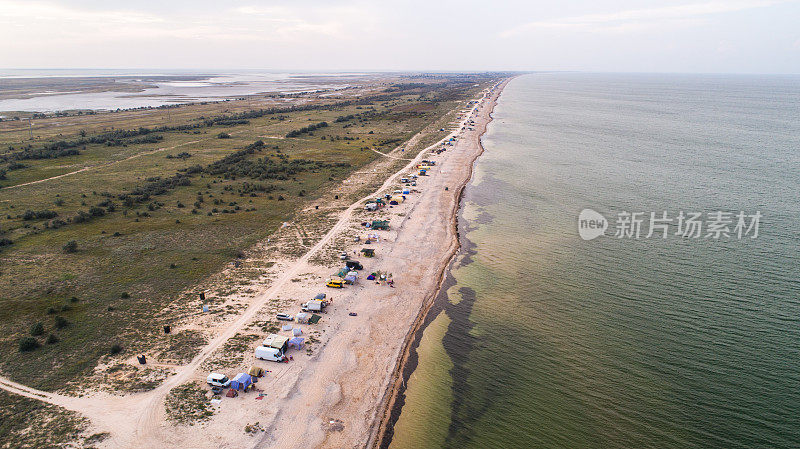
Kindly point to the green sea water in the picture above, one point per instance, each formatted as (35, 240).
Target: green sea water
(542, 339)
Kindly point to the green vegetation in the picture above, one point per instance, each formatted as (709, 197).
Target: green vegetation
(31, 424)
(307, 129)
(131, 228)
(187, 404)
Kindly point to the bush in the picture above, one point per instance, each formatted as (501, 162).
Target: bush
(5, 242)
(73, 299)
(71, 247)
(61, 322)
(28, 344)
(52, 339)
(38, 215)
(124, 295)
(116, 349)
(223, 135)
(37, 329)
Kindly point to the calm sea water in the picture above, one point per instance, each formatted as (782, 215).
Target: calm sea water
(546, 340)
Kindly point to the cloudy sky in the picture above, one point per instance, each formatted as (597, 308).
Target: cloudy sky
(733, 36)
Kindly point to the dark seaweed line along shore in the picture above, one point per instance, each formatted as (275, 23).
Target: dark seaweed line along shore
(394, 396)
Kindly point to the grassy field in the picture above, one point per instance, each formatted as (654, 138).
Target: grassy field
(150, 220)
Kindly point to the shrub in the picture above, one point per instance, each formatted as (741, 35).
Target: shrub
(223, 135)
(37, 329)
(71, 246)
(61, 322)
(116, 349)
(124, 295)
(73, 299)
(52, 339)
(5, 242)
(28, 344)
(38, 215)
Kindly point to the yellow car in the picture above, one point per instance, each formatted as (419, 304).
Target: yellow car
(335, 283)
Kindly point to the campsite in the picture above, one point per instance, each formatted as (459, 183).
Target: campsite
(300, 334)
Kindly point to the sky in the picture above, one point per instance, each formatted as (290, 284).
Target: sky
(688, 36)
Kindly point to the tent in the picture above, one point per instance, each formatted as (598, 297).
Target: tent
(351, 277)
(286, 327)
(371, 277)
(256, 371)
(297, 332)
(276, 341)
(297, 342)
(241, 381)
(314, 319)
(302, 317)
(342, 273)
(368, 252)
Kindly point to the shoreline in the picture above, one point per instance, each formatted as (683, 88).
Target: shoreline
(383, 427)
(336, 394)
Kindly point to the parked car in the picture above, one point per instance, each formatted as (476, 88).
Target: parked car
(335, 283)
(218, 380)
(284, 317)
(271, 354)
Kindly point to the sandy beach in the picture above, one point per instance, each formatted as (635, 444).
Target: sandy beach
(339, 394)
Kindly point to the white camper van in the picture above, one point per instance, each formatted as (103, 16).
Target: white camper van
(271, 354)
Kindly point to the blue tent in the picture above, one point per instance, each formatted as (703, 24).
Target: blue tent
(241, 381)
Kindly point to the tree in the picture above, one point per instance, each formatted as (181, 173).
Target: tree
(52, 339)
(28, 344)
(37, 329)
(71, 247)
(61, 322)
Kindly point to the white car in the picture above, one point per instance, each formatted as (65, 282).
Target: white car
(284, 317)
(271, 354)
(218, 380)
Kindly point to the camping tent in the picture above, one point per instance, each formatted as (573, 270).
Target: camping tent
(314, 318)
(256, 371)
(351, 277)
(276, 341)
(297, 332)
(297, 342)
(302, 317)
(241, 381)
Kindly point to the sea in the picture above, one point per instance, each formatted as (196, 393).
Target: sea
(684, 337)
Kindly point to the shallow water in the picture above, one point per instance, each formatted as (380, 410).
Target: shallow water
(547, 340)
(213, 88)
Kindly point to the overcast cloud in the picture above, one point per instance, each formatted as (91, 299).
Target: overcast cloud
(734, 36)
